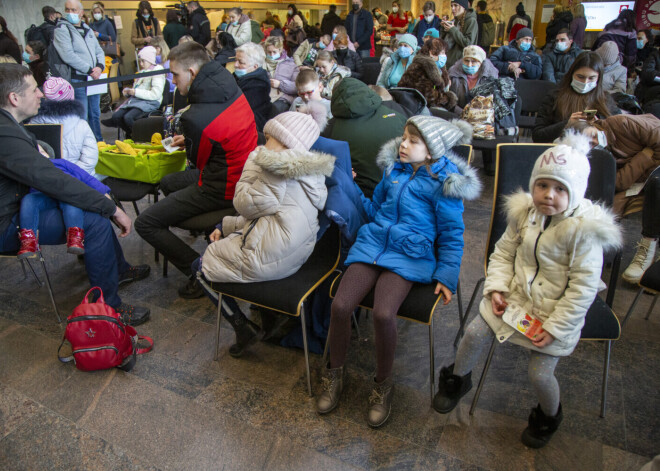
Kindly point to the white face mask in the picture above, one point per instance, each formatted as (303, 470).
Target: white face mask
(98, 16)
(582, 87)
(602, 139)
(395, 9)
(429, 18)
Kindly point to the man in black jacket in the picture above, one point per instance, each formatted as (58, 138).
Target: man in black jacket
(360, 27)
(218, 132)
(330, 20)
(199, 26)
(22, 166)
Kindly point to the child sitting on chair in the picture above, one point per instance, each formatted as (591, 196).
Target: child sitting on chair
(415, 236)
(145, 96)
(278, 198)
(547, 265)
(35, 202)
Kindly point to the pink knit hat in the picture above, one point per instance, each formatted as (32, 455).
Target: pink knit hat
(297, 129)
(58, 89)
(148, 54)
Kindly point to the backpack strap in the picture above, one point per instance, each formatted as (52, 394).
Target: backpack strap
(61, 358)
(140, 351)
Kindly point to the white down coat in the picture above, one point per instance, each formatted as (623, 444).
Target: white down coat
(278, 199)
(554, 272)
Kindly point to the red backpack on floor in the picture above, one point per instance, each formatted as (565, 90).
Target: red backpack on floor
(99, 339)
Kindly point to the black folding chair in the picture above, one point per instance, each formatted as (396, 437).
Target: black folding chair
(51, 134)
(650, 282)
(531, 94)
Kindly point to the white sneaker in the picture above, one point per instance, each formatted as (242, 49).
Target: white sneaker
(641, 261)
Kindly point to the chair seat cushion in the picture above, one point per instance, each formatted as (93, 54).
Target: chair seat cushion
(205, 221)
(286, 295)
(527, 122)
(601, 323)
(127, 190)
(418, 305)
(651, 277)
(491, 144)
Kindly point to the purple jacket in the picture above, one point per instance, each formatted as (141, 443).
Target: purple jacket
(78, 173)
(626, 41)
(286, 72)
(578, 25)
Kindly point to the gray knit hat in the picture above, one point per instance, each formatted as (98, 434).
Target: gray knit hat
(524, 33)
(439, 135)
(609, 52)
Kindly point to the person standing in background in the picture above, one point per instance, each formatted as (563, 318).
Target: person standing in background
(520, 18)
(330, 20)
(8, 42)
(145, 26)
(578, 25)
(199, 26)
(460, 33)
(360, 27)
(173, 30)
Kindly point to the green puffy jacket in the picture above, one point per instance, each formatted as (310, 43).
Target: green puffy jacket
(459, 38)
(362, 120)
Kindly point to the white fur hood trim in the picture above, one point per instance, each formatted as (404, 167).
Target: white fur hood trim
(463, 185)
(597, 224)
(295, 164)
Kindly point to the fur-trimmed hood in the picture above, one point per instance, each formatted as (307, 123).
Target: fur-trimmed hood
(295, 164)
(61, 109)
(597, 224)
(463, 185)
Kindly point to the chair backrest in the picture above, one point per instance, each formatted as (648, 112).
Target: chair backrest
(513, 167)
(51, 134)
(145, 127)
(370, 71)
(602, 177)
(532, 93)
(444, 114)
(114, 86)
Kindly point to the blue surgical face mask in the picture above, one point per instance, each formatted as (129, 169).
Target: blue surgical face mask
(26, 57)
(234, 23)
(240, 72)
(404, 52)
(321, 45)
(146, 17)
(274, 57)
(524, 46)
(73, 18)
(561, 46)
(334, 36)
(640, 44)
(470, 70)
(159, 59)
(442, 60)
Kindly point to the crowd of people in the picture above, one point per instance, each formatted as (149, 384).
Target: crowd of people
(285, 83)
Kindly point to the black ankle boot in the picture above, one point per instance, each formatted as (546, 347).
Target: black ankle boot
(451, 389)
(540, 427)
(247, 333)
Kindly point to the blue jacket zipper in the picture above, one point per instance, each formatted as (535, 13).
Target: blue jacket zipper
(398, 202)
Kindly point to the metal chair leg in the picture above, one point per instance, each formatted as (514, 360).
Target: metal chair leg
(648, 314)
(34, 273)
(164, 266)
(483, 377)
(459, 298)
(25, 273)
(50, 288)
(217, 328)
(606, 372)
(135, 207)
(357, 327)
(304, 334)
(465, 317)
(324, 360)
(431, 359)
(632, 307)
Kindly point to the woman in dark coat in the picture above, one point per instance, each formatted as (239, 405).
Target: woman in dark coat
(561, 19)
(428, 75)
(622, 31)
(226, 48)
(254, 81)
(346, 57)
(8, 42)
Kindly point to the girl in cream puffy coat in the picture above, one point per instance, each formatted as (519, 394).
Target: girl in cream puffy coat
(278, 198)
(548, 263)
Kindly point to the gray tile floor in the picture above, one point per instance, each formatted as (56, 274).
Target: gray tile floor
(179, 409)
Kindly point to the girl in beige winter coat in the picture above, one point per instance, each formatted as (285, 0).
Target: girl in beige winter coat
(281, 190)
(546, 265)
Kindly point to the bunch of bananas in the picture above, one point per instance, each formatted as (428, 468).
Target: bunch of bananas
(126, 147)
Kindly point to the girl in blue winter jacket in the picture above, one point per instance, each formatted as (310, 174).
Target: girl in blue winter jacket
(415, 234)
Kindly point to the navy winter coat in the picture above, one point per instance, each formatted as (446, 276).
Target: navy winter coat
(422, 26)
(364, 30)
(416, 228)
(530, 61)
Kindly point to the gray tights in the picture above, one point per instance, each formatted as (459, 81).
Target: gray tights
(541, 369)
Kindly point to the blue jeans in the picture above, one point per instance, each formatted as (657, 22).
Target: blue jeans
(92, 106)
(34, 203)
(104, 258)
(364, 52)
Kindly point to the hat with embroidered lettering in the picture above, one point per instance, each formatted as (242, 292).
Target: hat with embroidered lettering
(568, 164)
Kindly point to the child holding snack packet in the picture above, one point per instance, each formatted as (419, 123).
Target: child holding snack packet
(546, 266)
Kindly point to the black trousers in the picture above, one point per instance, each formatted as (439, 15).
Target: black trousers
(154, 223)
(651, 208)
(178, 181)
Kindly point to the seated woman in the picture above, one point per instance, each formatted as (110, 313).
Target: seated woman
(283, 72)
(226, 46)
(145, 96)
(581, 89)
(59, 107)
(468, 72)
(239, 26)
(344, 56)
(330, 73)
(428, 75)
(162, 52)
(614, 74)
(336, 32)
(278, 199)
(395, 66)
(253, 80)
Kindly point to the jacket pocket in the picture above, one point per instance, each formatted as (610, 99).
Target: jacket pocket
(413, 245)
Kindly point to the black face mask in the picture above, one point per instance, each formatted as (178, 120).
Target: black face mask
(341, 53)
(356, 6)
